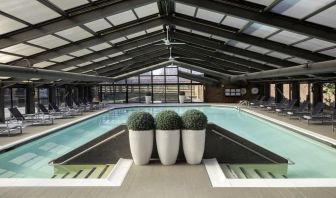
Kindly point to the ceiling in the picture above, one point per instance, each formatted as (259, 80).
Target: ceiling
(114, 37)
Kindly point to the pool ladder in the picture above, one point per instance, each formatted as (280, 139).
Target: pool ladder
(243, 103)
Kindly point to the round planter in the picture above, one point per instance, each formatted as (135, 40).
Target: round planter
(148, 99)
(181, 99)
(141, 144)
(193, 142)
(168, 143)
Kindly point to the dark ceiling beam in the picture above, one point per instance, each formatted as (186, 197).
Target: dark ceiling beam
(213, 28)
(283, 22)
(65, 23)
(201, 79)
(89, 42)
(217, 45)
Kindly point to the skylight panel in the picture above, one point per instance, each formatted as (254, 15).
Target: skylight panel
(4, 77)
(147, 10)
(260, 30)
(209, 15)
(185, 9)
(62, 58)
(43, 64)
(136, 34)
(49, 41)
(5, 58)
(82, 52)
(262, 2)
(22, 49)
(118, 40)
(327, 17)
(183, 29)
(331, 52)
(99, 59)
(115, 54)
(287, 37)
(279, 55)
(101, 46)
(68, 4)
(9, 25)
(201, 33)
(238, 44)
(74, 34)
(298, 60)
(299, 8)
(98, 25)
(84, 64)
(259, 50)
(28, 10)
(69, 68)
(154, 29)
(314, 44)
(234, 22)
(122, 17)
(220, 38)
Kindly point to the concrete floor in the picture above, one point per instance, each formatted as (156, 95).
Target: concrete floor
(167, 181)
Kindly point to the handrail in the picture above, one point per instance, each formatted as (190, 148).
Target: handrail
(242, 103)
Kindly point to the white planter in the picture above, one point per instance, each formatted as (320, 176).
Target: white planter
(181, 99)
(148, 99)
(141, 143)
(193, 142)
(168, 143)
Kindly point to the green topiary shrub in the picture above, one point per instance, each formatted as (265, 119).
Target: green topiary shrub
(194, 120)
(167, 120)
(182, 93)
(140, 121)
(148, 93)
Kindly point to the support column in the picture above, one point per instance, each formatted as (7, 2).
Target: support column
(2, 104)
(80, 93)
(68, 98)
(278, 92)
(317, 93)
(30, 100)
(100, 94)
(267, 90)
(296, 92)
(52, 95)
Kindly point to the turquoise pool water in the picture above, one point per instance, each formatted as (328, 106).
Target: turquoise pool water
(312, 159)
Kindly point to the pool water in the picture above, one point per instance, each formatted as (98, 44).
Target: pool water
(312, 159)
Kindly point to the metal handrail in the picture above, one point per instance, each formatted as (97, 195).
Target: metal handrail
(242, 103)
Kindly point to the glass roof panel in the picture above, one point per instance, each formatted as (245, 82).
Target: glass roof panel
(116, 54)
(68, 4)
(122, 17)
(326, 17)
(201, 33)
(4, 77)
(49, 41)
(331, 52)
(314, 44)
(9, 25)
(220, 38)
(62, 58)
(154, 29)
(5, 58)
(99, 59)
(262, 2)
(279, 55)
(81, 52)
(147, 10)
(98, 25)
(259, 50)
(28, 10)
(43, 64)
(100, 46)
(69, 68)
(209, 15)
(114, 41)
(238, 44)
(287, 37)
(299, 8)
(298, 60)
(257, 61)
(74, 34)
(84, 64)
(260, 30)
(183, 29)
(185, 9)
(234, 22)
(22, 49)
(136, 34)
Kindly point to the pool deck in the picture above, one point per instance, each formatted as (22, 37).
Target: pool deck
(164, 181)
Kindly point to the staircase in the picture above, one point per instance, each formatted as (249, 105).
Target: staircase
(240, 172)
(82, 171)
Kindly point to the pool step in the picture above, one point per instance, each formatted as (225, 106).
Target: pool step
(240, 172)
(82, 171)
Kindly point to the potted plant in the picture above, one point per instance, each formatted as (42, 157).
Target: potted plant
(168, 124)
(181, 97)
(141, 136)
(194, 124)
(148, 97)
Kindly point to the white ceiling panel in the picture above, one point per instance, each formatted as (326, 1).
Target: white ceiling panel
(4, 77)
(234, 22)
(154, 29)
(9, 25)
(49, 41)
(259, 50)
(43, 64)
(62, 58)
(68, 4)
(209, 15)
(299, 8)
(260, 30)
(257, 61)
(238, 44)
(69, 68)
(331, 52)
(298, 60)
(101, 46)
(4, 58)
(82, 52)
(84, 64)
(136, 34)
(201, 33)
(183, 29)
(23, 49)
(314, 44)
(279, 55)
(118, 40)
(116, 54)
(98, 25)
(287, 37)
(185, 9)
(122, 17)
(74, 34)
(326, 17)
(220, 38)
(99, 59)
(28, 10)
(262, 2)
(147, 10)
